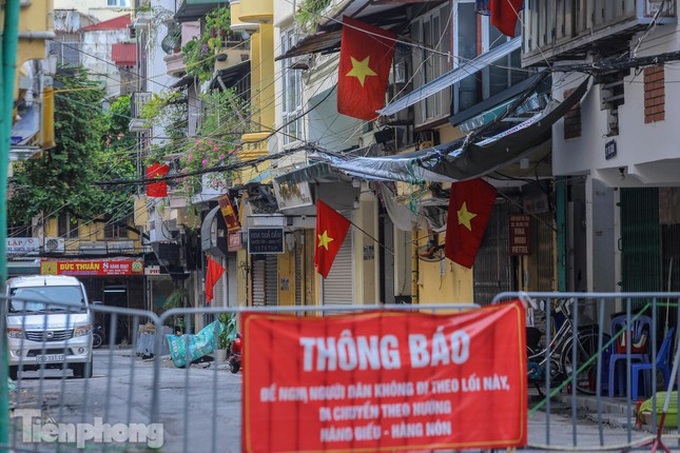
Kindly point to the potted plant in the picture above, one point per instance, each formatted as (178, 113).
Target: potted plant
(176, 300)
(226, 336)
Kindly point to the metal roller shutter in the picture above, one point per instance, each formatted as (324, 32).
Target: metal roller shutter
(338, 288)
(258, 282)
(271, 280)
(298, 273)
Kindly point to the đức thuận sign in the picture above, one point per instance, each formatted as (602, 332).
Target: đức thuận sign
(385, 379)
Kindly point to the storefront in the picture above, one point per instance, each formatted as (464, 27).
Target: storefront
(117, 282)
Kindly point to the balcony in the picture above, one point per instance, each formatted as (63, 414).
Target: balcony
(257, 11)
(231, 56)
(566, 30)
(174, 64)
(137, 102)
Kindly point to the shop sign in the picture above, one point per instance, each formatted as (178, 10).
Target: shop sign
(228, 213)
(92, 267)
(234, 242)
(152, 269)
(292, 195)
(265, 240)
(32, 246)
(519, 234)
(385, 381)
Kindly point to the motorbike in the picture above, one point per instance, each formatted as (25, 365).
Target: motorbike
(235, 354)
(97, 336)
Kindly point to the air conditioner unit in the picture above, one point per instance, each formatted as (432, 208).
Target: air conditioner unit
(93, 248)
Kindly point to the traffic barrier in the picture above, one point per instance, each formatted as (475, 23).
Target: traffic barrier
(138, 397)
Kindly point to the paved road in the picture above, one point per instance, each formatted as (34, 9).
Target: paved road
(200, 408)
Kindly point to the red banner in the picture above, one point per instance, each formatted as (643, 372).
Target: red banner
(92, 267)
(382, 380)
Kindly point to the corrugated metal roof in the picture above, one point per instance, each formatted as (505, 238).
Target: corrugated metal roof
(112, 24)
(124, 54)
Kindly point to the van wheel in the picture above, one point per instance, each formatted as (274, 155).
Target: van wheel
(13, 373)
(82, 370)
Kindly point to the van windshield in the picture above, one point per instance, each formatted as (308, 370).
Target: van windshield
(38, 299)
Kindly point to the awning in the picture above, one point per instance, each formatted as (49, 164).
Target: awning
(184, 81)
(322, 42)
(478, 114)
(227, 78)
(448, 79)
(462, 159)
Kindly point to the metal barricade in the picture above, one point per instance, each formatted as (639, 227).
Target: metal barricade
(583, 371)
(138, 397)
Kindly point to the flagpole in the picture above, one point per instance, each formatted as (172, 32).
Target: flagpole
(371, 237)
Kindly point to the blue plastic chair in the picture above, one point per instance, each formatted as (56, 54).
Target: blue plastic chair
(638, 325)
(663, 362)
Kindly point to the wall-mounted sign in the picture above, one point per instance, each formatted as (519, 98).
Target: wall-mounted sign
(152, 269)
(292, 195)
(265, 240)
(610, 149)
(519, 234)
(92, 267)
(234, 242)
(227, 210)
(32, 246)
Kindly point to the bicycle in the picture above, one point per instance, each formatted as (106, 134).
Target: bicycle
(559, 353)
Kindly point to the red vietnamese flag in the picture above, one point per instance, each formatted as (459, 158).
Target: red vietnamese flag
(331, 229)
(366, 53)
(212, 275)
(157, 189)
(470, 206)
(504, 14)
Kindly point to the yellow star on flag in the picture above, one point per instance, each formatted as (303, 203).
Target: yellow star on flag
(464, 216)
(324, 239)
(361, 70)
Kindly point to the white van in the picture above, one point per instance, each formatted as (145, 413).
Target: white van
(42, 333)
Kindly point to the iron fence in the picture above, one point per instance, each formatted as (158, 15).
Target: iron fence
(139, 397)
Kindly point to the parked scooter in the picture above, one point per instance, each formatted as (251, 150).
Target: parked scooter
(235, 353)
(97, 336)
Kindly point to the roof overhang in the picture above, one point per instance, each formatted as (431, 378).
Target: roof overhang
(481, 152)
(446, 80)
(191, 10)
(390, 14)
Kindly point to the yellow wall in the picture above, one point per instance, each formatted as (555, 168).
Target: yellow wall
(286, 267)
(443, 282)
(365, 262)
(92, 231)
(35, 20)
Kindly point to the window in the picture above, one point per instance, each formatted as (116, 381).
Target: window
(67, 52)
(67, 226)
(115, 230)
(432, 31)
(475, 35)
(118, 3)
(291, 92)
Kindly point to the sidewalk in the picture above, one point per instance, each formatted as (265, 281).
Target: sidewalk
(613, 430)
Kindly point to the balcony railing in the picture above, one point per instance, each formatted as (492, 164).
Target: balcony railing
(567, 29)
(137, 102)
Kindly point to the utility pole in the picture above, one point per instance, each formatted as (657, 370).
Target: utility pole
(8, 56)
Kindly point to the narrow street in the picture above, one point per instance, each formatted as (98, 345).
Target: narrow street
(200, 408)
